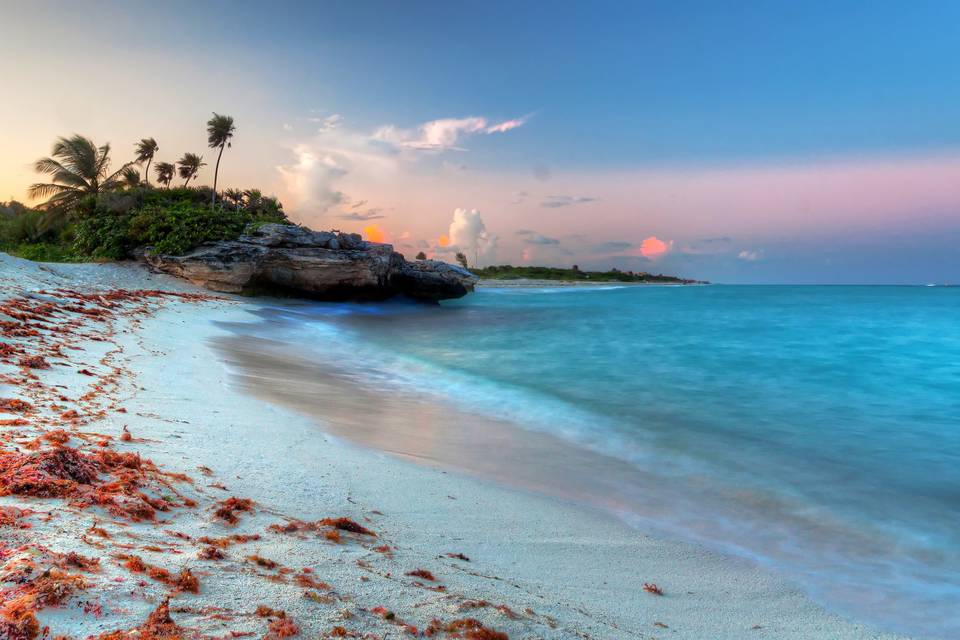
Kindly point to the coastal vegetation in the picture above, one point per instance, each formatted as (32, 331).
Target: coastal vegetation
(92, 209)
(510, 272)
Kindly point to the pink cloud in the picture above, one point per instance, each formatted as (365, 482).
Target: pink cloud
(653, 247)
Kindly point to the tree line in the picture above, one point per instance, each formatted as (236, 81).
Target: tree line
(78, 168)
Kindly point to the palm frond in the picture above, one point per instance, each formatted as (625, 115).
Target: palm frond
(103, 160)
(77, 168)
(42, 190)
(78, 154)
(189, 165)
(48, 165)
(146, 149)
(59, 173)
(220, 130)
(117, 175)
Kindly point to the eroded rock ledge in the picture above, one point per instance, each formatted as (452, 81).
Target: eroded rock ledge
(315, 264)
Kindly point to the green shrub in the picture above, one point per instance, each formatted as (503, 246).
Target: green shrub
(24, 227)
(103, 235)
(45, 252)
(111, 225)
(175, 229)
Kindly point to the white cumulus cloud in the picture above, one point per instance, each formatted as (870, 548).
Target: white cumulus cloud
(310, 178)
(469, 234)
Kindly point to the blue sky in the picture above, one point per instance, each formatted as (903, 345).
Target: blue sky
(617, 84)
(820, 138)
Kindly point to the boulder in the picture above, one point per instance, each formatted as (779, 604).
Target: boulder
(291, 260)
(433, 280)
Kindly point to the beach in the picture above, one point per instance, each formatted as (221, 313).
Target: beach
(344, 540)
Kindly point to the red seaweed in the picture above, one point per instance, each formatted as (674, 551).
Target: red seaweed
(227, 509)
(346, 524)
(422, 573)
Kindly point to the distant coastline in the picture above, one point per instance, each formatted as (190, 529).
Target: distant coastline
(535, 275)
(533, 283)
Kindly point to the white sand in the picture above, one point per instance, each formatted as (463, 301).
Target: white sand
(567, 572)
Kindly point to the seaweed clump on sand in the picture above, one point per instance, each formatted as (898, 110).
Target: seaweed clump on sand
(66, 472)
(228, 509)
(280, 625)
(183, 581)
(55, 473)
(328, 528)
(469, 628)
(422, 573)
(32, 591)
(158, 626)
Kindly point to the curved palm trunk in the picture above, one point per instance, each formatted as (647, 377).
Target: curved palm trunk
(146, 174)
(216, 173)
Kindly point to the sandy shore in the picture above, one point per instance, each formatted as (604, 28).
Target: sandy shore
(537, 568)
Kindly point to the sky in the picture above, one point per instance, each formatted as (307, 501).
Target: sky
(760, 142)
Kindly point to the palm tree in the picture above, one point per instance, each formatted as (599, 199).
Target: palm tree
(165, 172)
(130, 177)
(77, 168)
(253, 198)
(234, 197)
(146, 149)
(219, 133)
(190, 165)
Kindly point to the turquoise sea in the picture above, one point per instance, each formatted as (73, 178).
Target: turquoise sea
(815, 430)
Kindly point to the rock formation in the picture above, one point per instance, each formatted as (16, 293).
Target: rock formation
(292, 260)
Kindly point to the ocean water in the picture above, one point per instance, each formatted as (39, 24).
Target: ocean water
(814, 430)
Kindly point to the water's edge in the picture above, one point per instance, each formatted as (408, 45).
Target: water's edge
(412, 410)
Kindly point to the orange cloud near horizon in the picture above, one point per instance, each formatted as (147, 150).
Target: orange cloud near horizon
(373, 233)
(653, 247)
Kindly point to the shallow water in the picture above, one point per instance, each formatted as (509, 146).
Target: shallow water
(813, 429)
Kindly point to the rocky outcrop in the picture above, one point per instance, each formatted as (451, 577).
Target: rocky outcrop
(316, 264)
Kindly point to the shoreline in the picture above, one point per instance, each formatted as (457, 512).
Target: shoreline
(541, 566)
(529, 283)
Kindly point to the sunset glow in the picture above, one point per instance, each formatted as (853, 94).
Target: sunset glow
(729, 174)
(374, 233)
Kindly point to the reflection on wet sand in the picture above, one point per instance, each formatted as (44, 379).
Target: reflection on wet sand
(421, 429)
